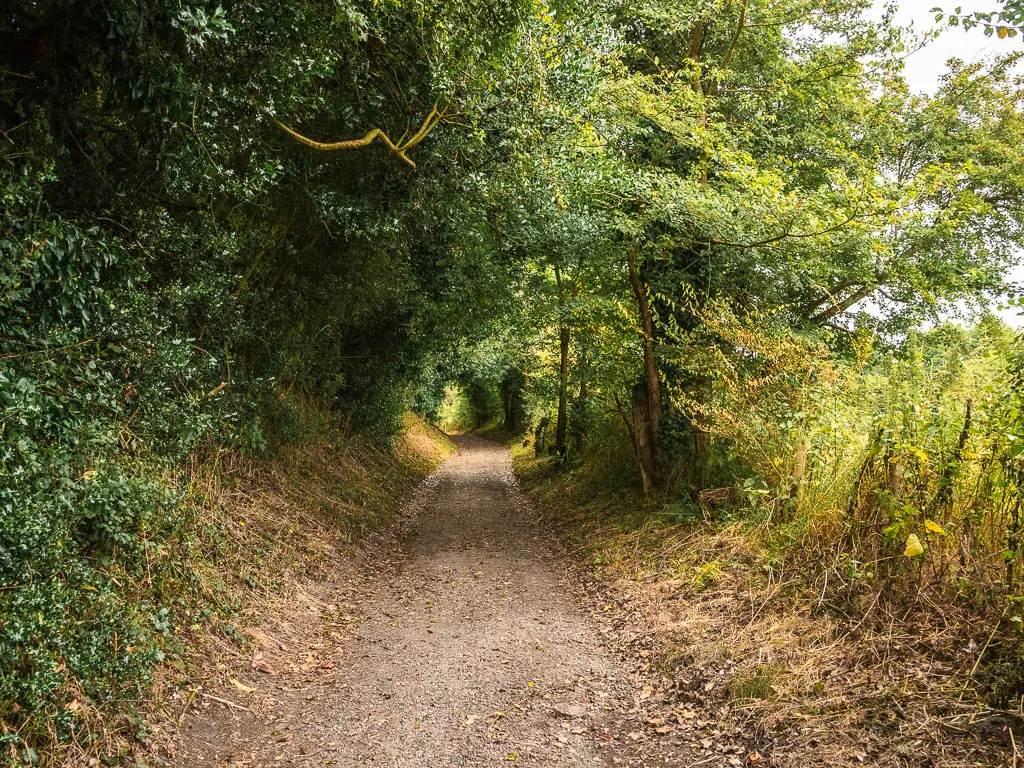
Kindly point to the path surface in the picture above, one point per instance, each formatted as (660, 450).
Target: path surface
(475, 653)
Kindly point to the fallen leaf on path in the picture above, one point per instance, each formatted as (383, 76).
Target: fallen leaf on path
(242, 686)
(682, 716)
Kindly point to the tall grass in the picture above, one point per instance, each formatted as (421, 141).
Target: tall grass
(837, 547)
(897, 467)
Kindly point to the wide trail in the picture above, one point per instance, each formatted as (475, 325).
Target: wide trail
(474, 652)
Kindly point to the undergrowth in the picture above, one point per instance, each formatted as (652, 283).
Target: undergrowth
(768, 620)
(90, 654)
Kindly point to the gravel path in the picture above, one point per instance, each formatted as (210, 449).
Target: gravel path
(472, 652)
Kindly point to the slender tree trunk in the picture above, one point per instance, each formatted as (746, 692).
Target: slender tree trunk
(1012, 544)
(799, 476)
(702, 451)
(893, 472)
(540, 436)
(647, 413)
(582, 421)
(562, 424)
(507, 411)
(644, 450)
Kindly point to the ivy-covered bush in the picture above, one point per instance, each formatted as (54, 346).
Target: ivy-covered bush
(178, 275)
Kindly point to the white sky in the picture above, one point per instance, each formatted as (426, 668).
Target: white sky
(925, 67)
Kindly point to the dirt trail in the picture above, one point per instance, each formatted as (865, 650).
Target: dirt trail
(473, 652)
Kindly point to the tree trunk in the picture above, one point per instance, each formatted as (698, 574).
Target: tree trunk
(647, 413)
(798, 480)
(512, 399)
(645, 452)
(581, 422)
(702, 451)
(1012, 544)
(698, 88)
(943, 502)
(540, 437)
(893, 472)
(561, 427)
(562, 423)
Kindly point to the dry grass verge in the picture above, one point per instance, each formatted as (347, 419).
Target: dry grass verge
(814, 669)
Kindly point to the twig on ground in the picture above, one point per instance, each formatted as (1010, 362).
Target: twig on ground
(184, 711)
(225, 701)
(981, 654)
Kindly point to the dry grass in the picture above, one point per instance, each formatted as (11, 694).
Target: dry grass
(816, 668)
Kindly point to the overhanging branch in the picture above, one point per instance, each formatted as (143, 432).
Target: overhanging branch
(399, 149)
(839, 306)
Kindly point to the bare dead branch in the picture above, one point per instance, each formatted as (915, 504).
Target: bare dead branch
(400, 149)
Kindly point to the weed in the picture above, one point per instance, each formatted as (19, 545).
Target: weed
(756, 686)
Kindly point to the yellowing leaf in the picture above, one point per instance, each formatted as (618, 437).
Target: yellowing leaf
(934, 527)
(241, 686)
(914, 546)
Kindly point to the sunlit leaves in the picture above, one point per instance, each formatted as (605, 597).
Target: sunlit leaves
(913, 547)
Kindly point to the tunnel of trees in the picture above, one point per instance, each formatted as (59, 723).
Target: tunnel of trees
(712, 246)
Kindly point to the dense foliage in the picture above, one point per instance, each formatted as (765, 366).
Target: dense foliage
(177, 274)
(693, 229)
